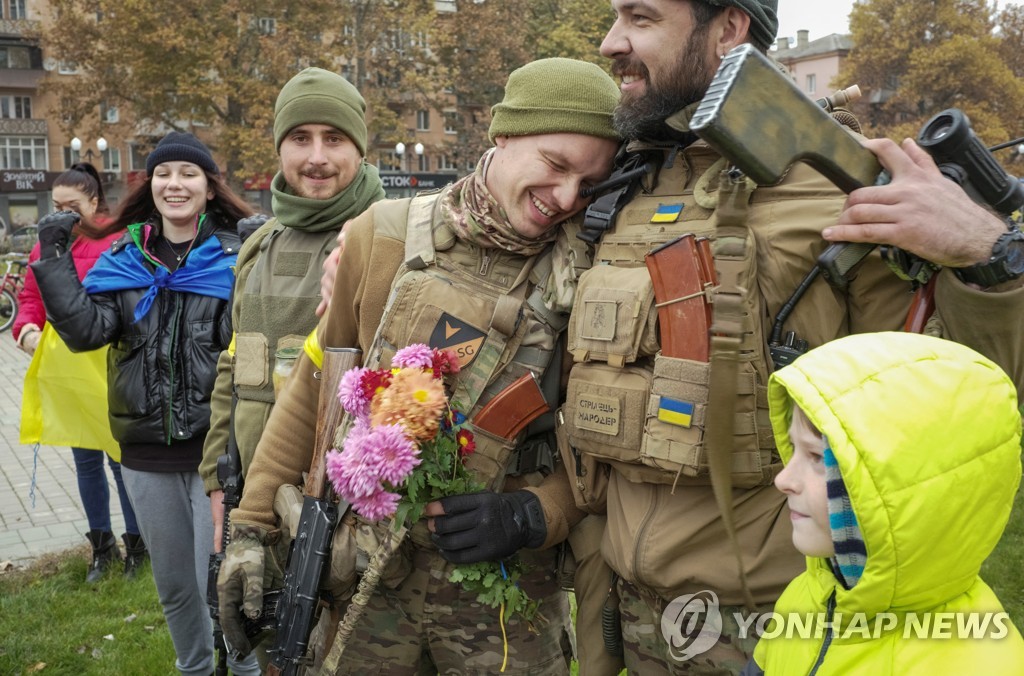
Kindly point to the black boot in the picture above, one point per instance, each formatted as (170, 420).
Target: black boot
(105, 553)
(135, 554)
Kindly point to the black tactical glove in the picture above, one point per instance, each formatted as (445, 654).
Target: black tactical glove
(488, 526)
(250, 224)
(54, 232)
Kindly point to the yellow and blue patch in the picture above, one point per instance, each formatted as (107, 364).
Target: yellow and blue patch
(675, 412)
(667, 213)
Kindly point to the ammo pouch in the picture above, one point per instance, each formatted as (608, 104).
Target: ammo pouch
(613, 320)
(674, 441)
(354, 542)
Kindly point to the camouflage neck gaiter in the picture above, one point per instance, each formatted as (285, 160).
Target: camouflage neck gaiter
(474, 215)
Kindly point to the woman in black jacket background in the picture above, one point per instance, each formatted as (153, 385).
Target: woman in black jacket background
(160, 298)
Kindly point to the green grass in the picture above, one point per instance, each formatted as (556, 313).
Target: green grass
(52, 622)
(50, 616)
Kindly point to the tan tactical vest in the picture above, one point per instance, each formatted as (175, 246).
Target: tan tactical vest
(619, 377)
(484, 304)
(277, 302)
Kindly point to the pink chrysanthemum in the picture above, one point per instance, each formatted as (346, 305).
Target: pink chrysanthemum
(354, 470)
(394, 453)
(380, 505)
(352, 394)
(416, 355)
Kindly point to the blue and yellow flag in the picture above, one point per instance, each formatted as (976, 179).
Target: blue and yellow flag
(667, 213)
(675, 412)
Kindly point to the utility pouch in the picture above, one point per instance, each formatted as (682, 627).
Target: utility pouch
(676, 417)
(252, 360)
(605, 408)
(612, 320)
(588, 477)
(490, 461)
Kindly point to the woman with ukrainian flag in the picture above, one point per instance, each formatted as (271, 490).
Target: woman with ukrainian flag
(159, 297)
(64, 400)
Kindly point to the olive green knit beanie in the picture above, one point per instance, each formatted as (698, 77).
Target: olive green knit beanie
(551, 96)
(764, 18)
(318, 96)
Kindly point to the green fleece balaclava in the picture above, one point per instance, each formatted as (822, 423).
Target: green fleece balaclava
(552, 96)
(764, 18)
(318, 96)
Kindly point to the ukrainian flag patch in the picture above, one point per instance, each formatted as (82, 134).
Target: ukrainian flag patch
(667, 213)
(675, 412)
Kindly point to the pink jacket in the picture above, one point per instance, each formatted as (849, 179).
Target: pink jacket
(84, 251)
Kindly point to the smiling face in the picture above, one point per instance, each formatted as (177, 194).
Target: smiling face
(803, 482)
(318, 161)
(537, 179)
(665, 61)
(180, 193)
(67, 198)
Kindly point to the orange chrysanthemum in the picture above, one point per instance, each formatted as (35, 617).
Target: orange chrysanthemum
(414, 400)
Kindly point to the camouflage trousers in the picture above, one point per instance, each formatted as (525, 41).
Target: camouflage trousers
(428, 625)
(644, 626)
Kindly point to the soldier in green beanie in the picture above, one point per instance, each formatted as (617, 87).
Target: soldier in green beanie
(486, 267)
(695, 539)
(320, 139)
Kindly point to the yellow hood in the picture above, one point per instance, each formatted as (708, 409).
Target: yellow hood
(927, 436)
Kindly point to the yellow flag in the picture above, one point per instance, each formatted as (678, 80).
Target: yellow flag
(65, 398)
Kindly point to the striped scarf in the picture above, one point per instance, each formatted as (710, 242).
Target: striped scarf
(850, 553)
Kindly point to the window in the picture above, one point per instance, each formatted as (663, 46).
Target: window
(16, 9)
(812, 85)
(138, 154)
(23, 152)
(112, 160)
(389, 161)
(445, 163)
(422, 120)
(15, 107)
(109, 114)
(267, 25)
(424, 162)
(15, 57)
(348, 72)
(67, 68)
(451, 122)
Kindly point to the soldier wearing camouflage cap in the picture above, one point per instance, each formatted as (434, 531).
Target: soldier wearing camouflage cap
(689, 538)
(487, 264)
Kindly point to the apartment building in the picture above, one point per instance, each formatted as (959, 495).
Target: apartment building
(814, 64)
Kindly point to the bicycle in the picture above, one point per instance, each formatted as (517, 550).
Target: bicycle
(10, 286)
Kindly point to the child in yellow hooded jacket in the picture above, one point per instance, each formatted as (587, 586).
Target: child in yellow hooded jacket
(902, 459)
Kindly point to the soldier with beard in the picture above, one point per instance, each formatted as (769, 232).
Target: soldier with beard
(645, 461)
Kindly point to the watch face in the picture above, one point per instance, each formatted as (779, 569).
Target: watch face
(1015, 257)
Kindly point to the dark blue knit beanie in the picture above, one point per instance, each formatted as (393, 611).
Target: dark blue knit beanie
(181, 147)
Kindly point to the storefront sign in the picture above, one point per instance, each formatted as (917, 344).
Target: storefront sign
(26, 180)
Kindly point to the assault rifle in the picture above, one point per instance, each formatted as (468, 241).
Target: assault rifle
(311, 548)
(229, 474)
(750, 101)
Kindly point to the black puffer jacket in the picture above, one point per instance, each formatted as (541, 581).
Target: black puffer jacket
(160, 371)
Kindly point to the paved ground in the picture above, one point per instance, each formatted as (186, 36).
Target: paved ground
(50, 517)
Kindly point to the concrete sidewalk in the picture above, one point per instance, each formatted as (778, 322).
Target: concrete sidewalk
(50, 517)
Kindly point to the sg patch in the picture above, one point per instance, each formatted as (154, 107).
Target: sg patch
(451, 333)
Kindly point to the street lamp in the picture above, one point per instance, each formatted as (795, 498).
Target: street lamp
(400, 151)
(101, 144)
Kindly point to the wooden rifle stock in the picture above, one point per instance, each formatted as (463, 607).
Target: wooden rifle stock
(922, 307)
(679, 275)
(337, 360)
(512, 409)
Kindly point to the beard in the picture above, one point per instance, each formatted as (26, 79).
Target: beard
(643, 116)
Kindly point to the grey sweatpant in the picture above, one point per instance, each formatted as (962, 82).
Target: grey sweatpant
(174, 516)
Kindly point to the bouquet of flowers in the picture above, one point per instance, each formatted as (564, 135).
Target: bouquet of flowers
(407, 447)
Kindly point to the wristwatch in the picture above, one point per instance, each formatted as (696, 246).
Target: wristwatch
(1006, 263)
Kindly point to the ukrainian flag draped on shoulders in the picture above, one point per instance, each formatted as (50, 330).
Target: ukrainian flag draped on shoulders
(207, 270)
